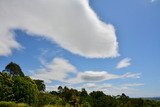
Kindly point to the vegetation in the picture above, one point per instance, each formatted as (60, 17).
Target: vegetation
(14, 69)
(18, 90)
(40, 85)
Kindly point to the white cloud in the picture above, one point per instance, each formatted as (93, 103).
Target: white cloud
(124, 63)
(133, 85)
(97, 76)
(58, 69)
(72, 24)
(131, 75)
(7, 42)
(89, 85)
(112, 89)
(52, 87)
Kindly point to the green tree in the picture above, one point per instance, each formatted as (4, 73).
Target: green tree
(54, 93)
(83, 93)
(82, 97)
(45, 99)
(98, 98)
(6, 84)
(60, 89)
(40, 85)
(14, 69)
(25, 90)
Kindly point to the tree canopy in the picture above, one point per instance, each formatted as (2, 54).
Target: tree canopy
(14, 69)
(40, 85)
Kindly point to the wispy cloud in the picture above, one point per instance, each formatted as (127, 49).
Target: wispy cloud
(124, 63)
(89, 85)
(133, 85)
(59, 69)
(112, 89)
(153, 1)
(72, 24)
(97, 76)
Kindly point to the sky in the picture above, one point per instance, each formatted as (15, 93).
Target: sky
(107, 45)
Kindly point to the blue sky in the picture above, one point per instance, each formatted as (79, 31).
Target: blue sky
(108, 45)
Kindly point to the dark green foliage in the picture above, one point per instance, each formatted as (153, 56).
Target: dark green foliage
(6, 85)
(14, 69)
(101, 100)
(25, 90)
(55, 93)
(45, 99)
(82, 97)
(60, 89)
(40, 85)
(83, 93)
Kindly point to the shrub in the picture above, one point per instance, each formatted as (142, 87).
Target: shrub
(45, 99)
(22, 105)
(7, 104)
(86, 104)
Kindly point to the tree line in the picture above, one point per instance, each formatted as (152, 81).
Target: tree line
(16, 88)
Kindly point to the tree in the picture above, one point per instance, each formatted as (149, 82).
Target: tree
(54, 93)
(60, 89)
(98, 98)
(14, 69)
(45, 99)
(83, 93)
(40, 85)
(6, 84)
(25, 90)
(82, 97)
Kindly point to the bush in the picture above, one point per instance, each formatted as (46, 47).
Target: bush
(7, 104)
(86, 104)
(49, 106)
(22, 105)
(25, 90)
(45, 99)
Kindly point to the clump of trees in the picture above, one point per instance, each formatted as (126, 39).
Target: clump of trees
(18, 90)
(15, 86)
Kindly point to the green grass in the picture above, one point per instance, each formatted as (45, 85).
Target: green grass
(12, 104)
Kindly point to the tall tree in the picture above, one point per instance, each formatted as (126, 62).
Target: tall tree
(40, 85)
(14, 69)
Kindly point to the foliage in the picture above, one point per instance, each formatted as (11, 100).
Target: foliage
(25, 90)
(55, 93)
(46, 99)
(7, 104)
(22, 105)
(14, 69)
(6, 84)
(12, 104)
(40, 85)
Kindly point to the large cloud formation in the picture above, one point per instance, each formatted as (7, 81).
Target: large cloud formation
(72, 24)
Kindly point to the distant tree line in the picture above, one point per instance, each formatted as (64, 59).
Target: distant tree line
(15, 87)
